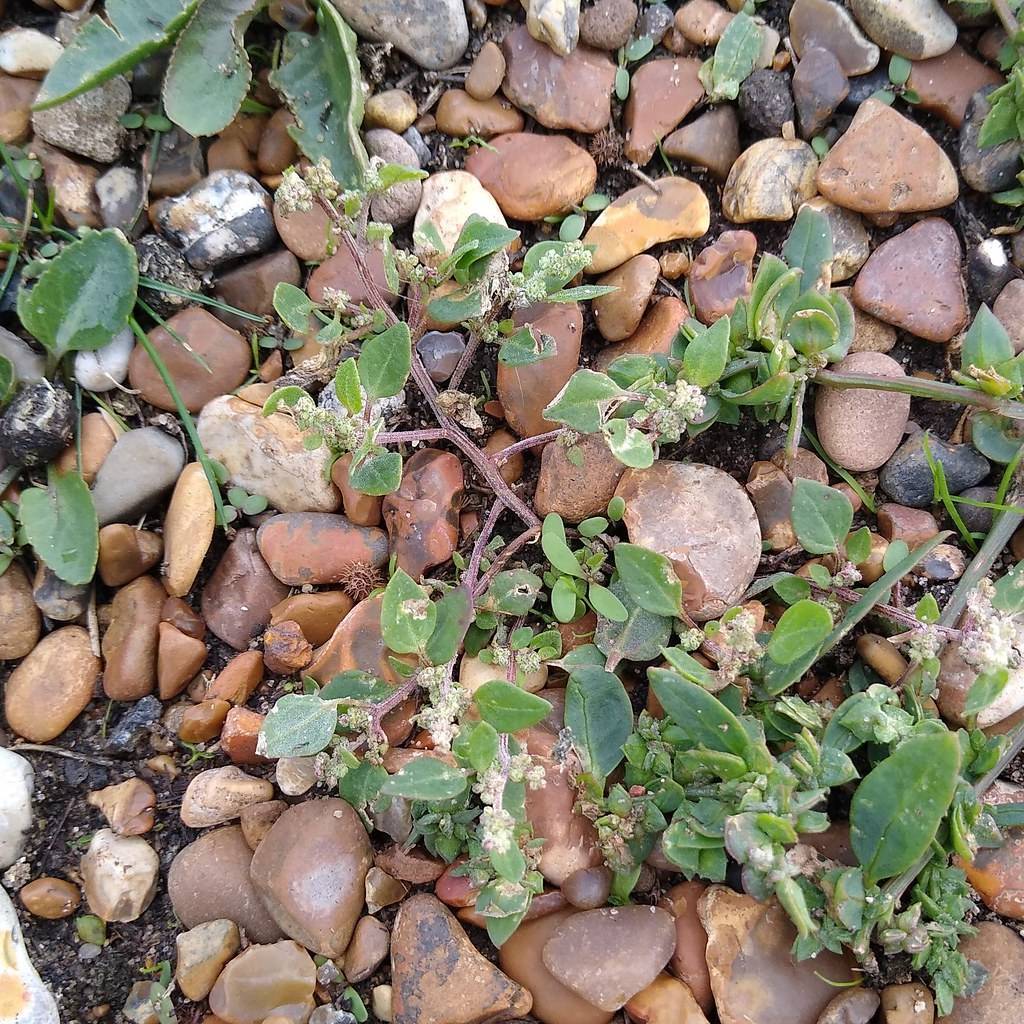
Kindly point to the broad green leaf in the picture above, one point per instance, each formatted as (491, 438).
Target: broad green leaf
(320, 80)
(283, 396)
(293, 306)
(707, 355)
(454, 614)
(384, 361)
(478, 241)
(360, 786)
(296, 726)
(649, 579)
(985, 690)
(599, 715)
(346, 386)
(525, 347)
(564, 600)
(802, 628)
(809, 247)
(734, 59)
(457, 307)
(986, 342)
(481, 746)
(407, 615)
(425, 778)
(129, 32)
(84, 296)
(508, 707)
(640, 638)
(379, 473)
(858, 546)
(997, 437)
(358, 686)
(630, 446)
(606, 604)
(704, 719)
(556, 550)
(60, 524)
(792, 588)
(1009, 595)
(581, 403)
(209, 72)
(512, 592)
(821, 516)
(898, 807)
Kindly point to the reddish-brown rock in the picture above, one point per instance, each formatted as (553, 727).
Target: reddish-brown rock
(126, 553)
(722, 274)
(317, 614)
(577, 492)
(688, 961)
(179, 658)
(946, 83)
(237, 680)
(239, 735)
(654, 336)
(618, 314)
(285, 649)
(661, 94)
(361, 509)
(130, 643)
(711, 140)
(341, 273)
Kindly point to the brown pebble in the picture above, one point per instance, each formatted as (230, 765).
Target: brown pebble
(484, 78)
(204, 721)
(50, 898)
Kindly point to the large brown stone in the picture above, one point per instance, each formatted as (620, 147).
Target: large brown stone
(274, 982)
(188, 529)
(829, 25)
(317, 614)
(722, 274)
(130, 643)
(946, 83)
(1000, 951)
(428, 950)
(711, 140)
(18, 613)
(126, 553)
(341, 273)
(577, 492)
(459, 114)
(654, 336)
(661, 94)
(310, 869)
(618, 314)
(689, 961)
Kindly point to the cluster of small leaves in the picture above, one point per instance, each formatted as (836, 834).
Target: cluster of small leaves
(571, 225)
(734, 59)
(899, 70)
(1005, 119)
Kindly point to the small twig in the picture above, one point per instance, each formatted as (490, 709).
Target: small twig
(1006, 17)
(73, 755)
(500, 458)
(481, 545)
(465, 361)
(796, 424)
(643, 178)
(505, 556)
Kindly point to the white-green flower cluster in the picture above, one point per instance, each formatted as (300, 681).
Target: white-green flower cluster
(736, 642)
(340, 431)
(991, 639)
(560, 263)
(670, 407)
(447, 704)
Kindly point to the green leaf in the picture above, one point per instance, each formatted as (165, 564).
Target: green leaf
(581, 402)
(1009, 595)
(7, 379)
(899, 69)
(130, 31)
(361, 785)
(734, 59)
(556, 550)
(454, 614)
(630, 446)
(898, 807)
(606, 604)
(60, 524)
(293, 306)
(985, 689)
(564, 599)
(508, 707)
(320, 80)
(83, 297)
(296, 726)
(801, 629)
(997, 437)
(512, 592)
(407, 615)
(986, 342)
(640, 638)
(858, 546)
(385, 361)
(356, 685)
(650, 579)
(525, 347)
(792, 588)
(478, 241)
(287, 396)
(599, 715)
(379, 473)
(425, 778)
(346, 386)
(809, 247)
(702, 717)
(572, 227)
(707, 355)
(622, 84)
(821, 516)
(481, 746)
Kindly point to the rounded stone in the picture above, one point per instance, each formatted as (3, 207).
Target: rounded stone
(50, 898)
(37, 424)
(18, 613)
(769, 181)
(272, 982)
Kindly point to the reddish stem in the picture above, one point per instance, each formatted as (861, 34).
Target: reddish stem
(481, 544)
(500, 458)
(504, 556)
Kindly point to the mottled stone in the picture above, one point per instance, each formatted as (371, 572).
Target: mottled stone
(986, 168)
(119, 875)
(608, 24)
(1000, 951)
(202, 953)
(827, 24)
(851, 244)
(459, 114)
(722, 274)
(665, 999)
(769, 181)
(914, 29)
(88, 124)
(450, 198)
(218, 795)
(274, 982)
(128, 806)
(18, 613)
(577, 492)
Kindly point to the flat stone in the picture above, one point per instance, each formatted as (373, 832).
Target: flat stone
(885, 163)
(911, 1003)
(28, 53)
(855, 1006)
(722, 274)
(488, 70)
(907, 478)
(394, 109)
(914, 29)
(769, 181)
(771, 491)
(956, 678)
(26, 999)
(571, 92)
(459, 114)
(858, 427)
(126, 553)
(50, 898)
(641, 218)
(608, 24)
(827, 24)
(119, 875)
(140, 469)
(1000, 950)
(88, 124)
(218, 795)
(608, 955)
(914, 281)
(308, 235)
(946, 83)
(202, 953)
(272, 982)
(819, 86)
(711, 140)
(702, 22)
(128, 806)
(130, 642)
(179, 657)
(618, 314)
(661, 94)
(19, 614)
(534, 176)
(428, 949)
(701, 519)
(251, 286)
(450, 198)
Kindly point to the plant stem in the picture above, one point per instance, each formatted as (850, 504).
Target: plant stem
(480, 546)
(465, 361)
(500, 458)
(504, 556)
(1006, 17)
(796, 423)
(923, 389)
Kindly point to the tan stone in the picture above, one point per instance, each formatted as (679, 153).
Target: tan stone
(130, 643)
(203, 952)
(459, 114)
(126, 553)
(18, 613)
(218, 795)
(128, 806)
(576, 492)
(618, 314)
(265, 982)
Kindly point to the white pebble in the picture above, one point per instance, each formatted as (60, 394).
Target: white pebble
(105, 368)
(26, 999)
(16, 780)
(27, 52)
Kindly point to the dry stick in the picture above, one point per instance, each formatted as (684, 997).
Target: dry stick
(480, 546)
(73, 755)
(1006, 17)
(500, 458)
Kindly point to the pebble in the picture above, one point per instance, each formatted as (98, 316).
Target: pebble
(126, 553)
(265, 455)
(119, 875)
(398, 205)
(534, 176)
(827, 24)
(128, 806)
(772, 494)
(256, 820)
(765, 101)
(37, 424)
(415, 865)
(944, 564)
(988, 168)
(367, 950)
(209, 880)
(89, 124)
(440, 352)
(520, 958)
(851, 244)
(160, 260)
(989, 270)
(554, 23)
(722, 274)
(218, 795)
(854, 1006)
(18, 780)
(433, 33)
(308, 235)
(955, 681)
(133, 726)
(459, 114)
(52, 686)
(911, 1003)
(422, 514)
(29, 365)
(120, 197)
(363, 509)
(240, 592)
(238, 679)
(606, 956)
(702, 22)
(28, 53)
(240, 734)
(858, 427)
(26, 999)
(428, 948)
(103, 369)
(19, 614)
(571, 92)
(285, 650)
(588, 888)
(473, 673)
(179, 657)
(188, 530)
(608, 24)
(618, 314)
(525, 391)
(1000, 951)
(96, 436)
(914, 526)
(689, 962)
(202, 953)
(450, 198)
(225, 216)
(273, 982)
(661, 94)
(295, 775)
(50, 898)
(641, 218)
(914, 281)
(488, 70)
(753, 974)
(394, 109)
(654, 336)
(140, 469)
(914, 29)
(885, 163)
(711, 140)
(665, 999)
(73, 184)
(310, 870)
(947, 83)
(1009, 311)
(819, 86)
(57, 600)
(907, 478)
(699, 517)
(769, 181)
(250, 287)
(130, 642)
